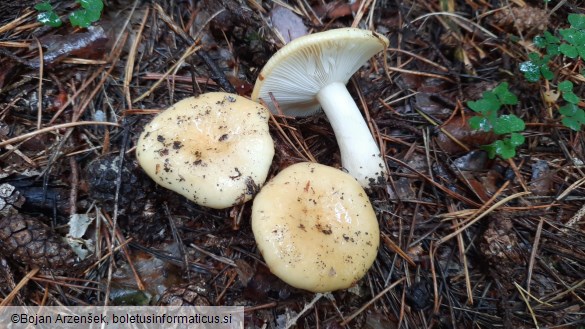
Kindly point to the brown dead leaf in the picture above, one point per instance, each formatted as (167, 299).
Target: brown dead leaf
(526, 20)
(337, 9)
(89, 45)
(287, 23)
(459, 128)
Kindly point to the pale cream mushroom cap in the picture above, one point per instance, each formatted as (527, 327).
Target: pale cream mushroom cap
(315, 227)
(214, 149)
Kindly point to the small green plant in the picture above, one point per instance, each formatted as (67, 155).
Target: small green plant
(571, 44)
(90, 12)
(573, 116)
(488, 119)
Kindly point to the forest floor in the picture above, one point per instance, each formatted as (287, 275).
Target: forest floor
(467, 240)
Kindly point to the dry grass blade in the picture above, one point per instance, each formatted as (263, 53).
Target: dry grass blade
(533, 253)
(128, 74)
(53, 128)
(480, 216)
(188, 52)
(19, 286)
(349, 318)
(16, 22)
(441, 187)
(458, 18)
(217, 74)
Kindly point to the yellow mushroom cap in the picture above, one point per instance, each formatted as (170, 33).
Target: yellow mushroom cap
(315, 227)
(214, 149)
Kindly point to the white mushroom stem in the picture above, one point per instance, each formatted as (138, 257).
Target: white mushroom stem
(360, 154)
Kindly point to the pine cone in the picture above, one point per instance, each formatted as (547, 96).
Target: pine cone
(9, 198)
(30, 242)
(101, 175)
(189, 295)
(527, 20)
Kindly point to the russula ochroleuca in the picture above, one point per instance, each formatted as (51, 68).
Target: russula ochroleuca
(214, 149)
(310, 73)
(315, 227)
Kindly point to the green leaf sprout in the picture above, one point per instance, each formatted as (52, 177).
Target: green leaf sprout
(46, 15)
(488, 120)
(570, 44)
(90, 12)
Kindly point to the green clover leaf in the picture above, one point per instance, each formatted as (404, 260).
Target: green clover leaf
(539, 41)
(516, 139)
(91, 11)
(536, 67)
(480, 123)
(508, 123)
(571, 97)
(565, 86)
(504, 95)
(550, 38)
(574, 116)
(487, 119)
(43, 6)
(569, 50)
(487, 104)
(531, 71)
(577, 21)
(502, 148)
(47, 15)
(571, 123)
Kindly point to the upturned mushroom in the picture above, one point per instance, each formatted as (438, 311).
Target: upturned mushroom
(315, 227)
(310, 73)
(214, 149)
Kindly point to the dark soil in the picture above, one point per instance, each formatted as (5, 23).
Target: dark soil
(466, 241)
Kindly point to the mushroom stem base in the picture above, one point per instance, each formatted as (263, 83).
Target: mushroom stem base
(360, 154)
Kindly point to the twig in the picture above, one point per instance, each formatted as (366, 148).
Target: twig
(40, 90)
(533, 253)
(74, 186)
(55, 127)
(435, 184)
(19, 286)
(260, 307)
(395, 248)
(177, 237)
(188, 52)
(221, 259)
(471, 222)
(456, 18)
(420, 58)
(216, 73)
(524, 295)
(419, 73)
(370, 302)
(290, 323)
(129, 70)
(576, 218)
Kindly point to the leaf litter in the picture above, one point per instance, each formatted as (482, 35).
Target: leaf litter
(464, 244)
